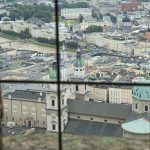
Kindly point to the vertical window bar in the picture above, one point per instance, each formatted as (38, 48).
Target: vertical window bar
(58, 71)
(1, 115)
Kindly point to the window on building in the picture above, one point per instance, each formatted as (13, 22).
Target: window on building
(136, 106)
(62, 101)
(53, 103)
(146, 108)
(77, 88)
(53, 127)
(91, 119)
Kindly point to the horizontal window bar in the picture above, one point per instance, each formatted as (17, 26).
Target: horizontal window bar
(73, 82)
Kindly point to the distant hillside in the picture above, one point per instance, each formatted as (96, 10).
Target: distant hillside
(70, 142)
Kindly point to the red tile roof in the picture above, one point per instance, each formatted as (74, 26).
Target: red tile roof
(130, 6)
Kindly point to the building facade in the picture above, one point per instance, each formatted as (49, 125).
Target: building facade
(73, 13)
(120, 95)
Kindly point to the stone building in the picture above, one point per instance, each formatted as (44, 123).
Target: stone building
(137, 124)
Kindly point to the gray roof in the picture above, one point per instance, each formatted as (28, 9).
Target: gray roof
(99, 109)
(132, 116)
(83, 127)
(26, 95)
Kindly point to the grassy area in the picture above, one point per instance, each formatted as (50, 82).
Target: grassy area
(41, 44)
(69, 21)
(72, 142)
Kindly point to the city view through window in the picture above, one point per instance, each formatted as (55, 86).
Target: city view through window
(75, 75)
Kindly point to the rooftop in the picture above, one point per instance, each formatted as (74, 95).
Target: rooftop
(99, 109)
(26, 95)
(138, 126)
(82, 127)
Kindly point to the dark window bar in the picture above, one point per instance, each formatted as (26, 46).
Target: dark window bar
(58, 71)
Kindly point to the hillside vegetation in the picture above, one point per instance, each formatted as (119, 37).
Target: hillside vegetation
(70, 142)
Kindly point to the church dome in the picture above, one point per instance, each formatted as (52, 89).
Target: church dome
(138, 126)
(141, 93)
(126, 19)
(79, 62)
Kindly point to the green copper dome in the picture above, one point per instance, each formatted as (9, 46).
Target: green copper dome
(53, 72)
(139, 126)
(126, 19)
(79, 61)
(141, 93)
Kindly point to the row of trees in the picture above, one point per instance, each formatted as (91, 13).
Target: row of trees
(98, 16)
(112, 17)
(71, 45)
(93, 28)
(23, 34)
(75, 5)
(41, 11)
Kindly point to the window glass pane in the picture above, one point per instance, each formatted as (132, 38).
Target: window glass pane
(101, 41)
(104, 111)
(29, 110)
(27, 41)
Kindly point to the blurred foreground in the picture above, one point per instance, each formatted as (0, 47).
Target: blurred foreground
(71, 142)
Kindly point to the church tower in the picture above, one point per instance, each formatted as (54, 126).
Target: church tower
(63, 53)
(52, 103)
(80, 74)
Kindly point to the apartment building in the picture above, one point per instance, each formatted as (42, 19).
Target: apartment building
(99, 93)
(73, 13)
(120, 95)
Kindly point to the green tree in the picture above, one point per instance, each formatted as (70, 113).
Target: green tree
(75, 5)
(112, 17)
(93, 28)
(41, 11)
(73, 45)
(80, 19)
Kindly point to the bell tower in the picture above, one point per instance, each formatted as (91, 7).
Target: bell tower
(52, 103)
(80, 74)
(63, 53)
